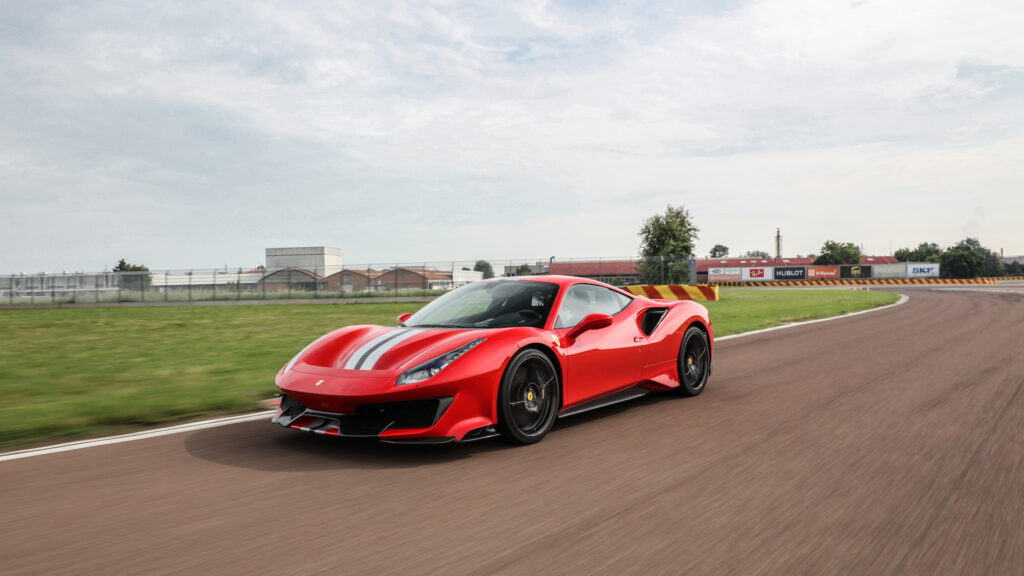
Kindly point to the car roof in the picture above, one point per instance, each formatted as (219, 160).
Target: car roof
(561, 281)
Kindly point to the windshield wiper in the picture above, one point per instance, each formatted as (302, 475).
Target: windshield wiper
(438, 326)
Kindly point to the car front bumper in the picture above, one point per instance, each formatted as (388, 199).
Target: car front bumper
(367, 420)
(459, 405)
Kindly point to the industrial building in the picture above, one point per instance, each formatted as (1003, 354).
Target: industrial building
(320, 260)
(352, 281)
(291, 279)
(44, 284)
(425, 279)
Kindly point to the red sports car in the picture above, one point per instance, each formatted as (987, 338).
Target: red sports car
(502, 357)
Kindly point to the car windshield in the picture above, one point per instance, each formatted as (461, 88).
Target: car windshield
(491, 304)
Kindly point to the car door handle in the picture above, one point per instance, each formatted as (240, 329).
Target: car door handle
(638, 338)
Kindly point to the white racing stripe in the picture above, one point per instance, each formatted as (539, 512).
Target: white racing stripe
(371, 360)
(182, 428)
(367, 355)
(354, 360)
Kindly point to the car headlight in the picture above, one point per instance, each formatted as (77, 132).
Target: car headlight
(432, 367)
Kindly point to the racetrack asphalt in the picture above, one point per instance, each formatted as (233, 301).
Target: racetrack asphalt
(885, 443)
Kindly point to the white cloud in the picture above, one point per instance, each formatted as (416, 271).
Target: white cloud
(895, 121)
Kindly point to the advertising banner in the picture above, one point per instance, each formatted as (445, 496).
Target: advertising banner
(855, 271)
(757, 273)
(790, 273)
(889, 270)
(822, 272)
(922, 270)
(723, 275)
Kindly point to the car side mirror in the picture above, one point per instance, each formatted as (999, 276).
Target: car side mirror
(590, 322)
(403, 318)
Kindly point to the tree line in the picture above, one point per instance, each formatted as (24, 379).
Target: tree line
(667, 241)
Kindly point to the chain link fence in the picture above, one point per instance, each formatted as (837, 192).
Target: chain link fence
(397, 279)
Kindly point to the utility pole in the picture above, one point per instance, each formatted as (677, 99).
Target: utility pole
(778, 243)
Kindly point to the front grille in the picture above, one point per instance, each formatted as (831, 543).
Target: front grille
(401, 415)
(372, 419)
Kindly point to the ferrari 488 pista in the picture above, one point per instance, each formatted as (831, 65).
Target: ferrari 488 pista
(503, 357)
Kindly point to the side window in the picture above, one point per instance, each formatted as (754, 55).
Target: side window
(583, 299)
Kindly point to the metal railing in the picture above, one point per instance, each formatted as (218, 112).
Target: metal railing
(394, 279)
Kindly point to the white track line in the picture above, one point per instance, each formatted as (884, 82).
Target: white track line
(191, 427)
(903, 299)
(181, 428)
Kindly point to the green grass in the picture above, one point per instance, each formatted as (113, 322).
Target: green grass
(743, 310)
(77, 372)
(182, 294)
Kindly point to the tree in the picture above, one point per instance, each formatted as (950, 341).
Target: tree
(719, 251)
(838, 253)
(666, 242)
(991, 264)
(962, 260)
(756, 254)
(485, 267)
(925, 252)
(133, 280)
(524, 270)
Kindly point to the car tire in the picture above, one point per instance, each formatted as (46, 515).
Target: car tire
(528, 398)
(694, 362)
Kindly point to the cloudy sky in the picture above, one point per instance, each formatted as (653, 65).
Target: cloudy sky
(196, 134)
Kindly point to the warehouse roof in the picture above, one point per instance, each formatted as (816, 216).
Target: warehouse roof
(599, 268)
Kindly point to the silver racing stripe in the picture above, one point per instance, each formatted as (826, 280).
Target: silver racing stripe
(371, 359)
(354, 360)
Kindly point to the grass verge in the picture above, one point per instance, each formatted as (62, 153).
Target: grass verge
(745, 310)
(68, 373)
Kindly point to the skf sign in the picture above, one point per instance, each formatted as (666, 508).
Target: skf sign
(922, 270)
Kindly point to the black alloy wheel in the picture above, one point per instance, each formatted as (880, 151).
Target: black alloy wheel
(528, 398)
(694, 362)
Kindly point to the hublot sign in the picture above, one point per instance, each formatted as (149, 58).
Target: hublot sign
(790, 273)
